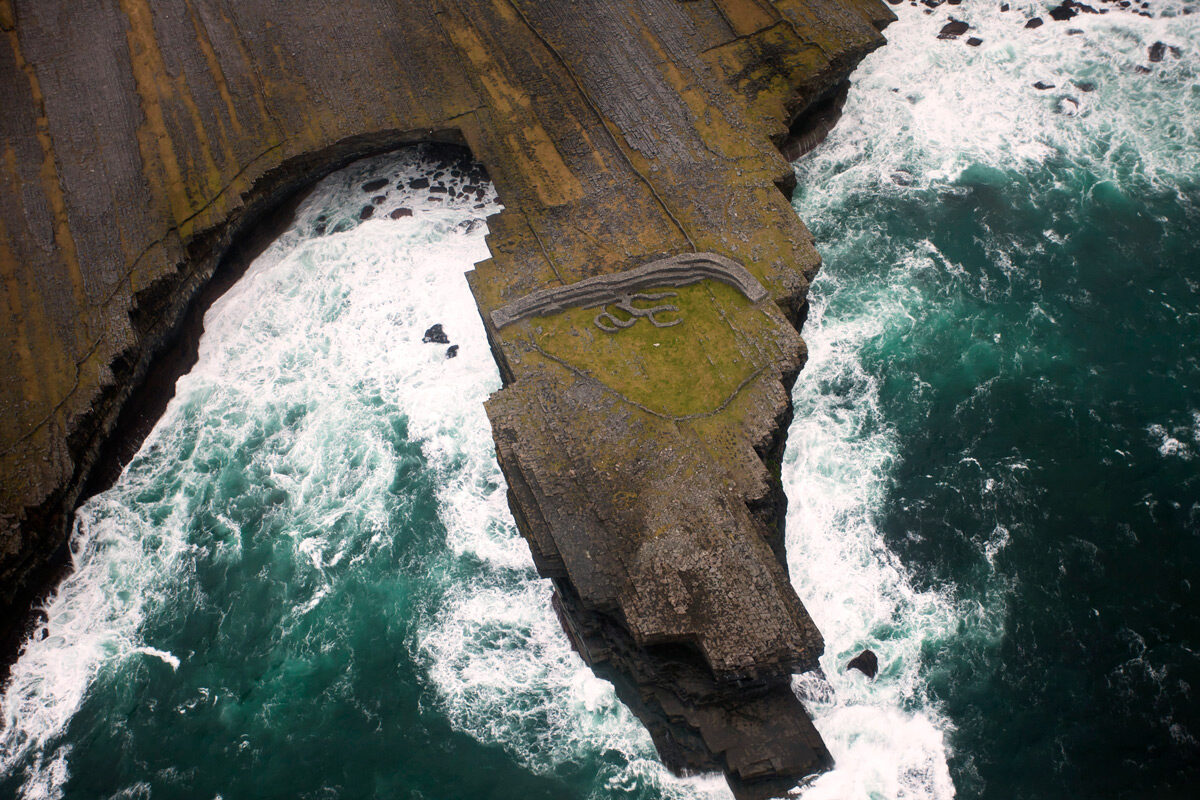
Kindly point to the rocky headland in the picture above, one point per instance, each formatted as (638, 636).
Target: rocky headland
(643, 299)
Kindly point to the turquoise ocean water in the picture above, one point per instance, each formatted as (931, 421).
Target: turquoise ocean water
(307, 583)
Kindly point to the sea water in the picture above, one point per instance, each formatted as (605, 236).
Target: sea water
(307, 583)
(996, 453)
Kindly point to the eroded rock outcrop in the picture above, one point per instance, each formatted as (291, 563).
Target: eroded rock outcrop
(139, 141)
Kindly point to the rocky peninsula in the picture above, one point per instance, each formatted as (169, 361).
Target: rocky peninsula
(643, 299)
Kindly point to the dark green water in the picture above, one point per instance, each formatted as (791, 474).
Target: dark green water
(1018, 303)
(307, 584)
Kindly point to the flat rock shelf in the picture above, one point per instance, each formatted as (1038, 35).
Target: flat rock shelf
(640, 426)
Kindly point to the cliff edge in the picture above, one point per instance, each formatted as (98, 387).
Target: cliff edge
(647, 280)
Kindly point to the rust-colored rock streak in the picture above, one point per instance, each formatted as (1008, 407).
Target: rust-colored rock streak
(138, 140)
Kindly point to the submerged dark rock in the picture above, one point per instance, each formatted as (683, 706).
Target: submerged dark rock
(1041, 86)
(375, 185)
(953, 29)
(397, 213)
(1069, 9)
(1157, 51)
(865, 662)
(435, 335)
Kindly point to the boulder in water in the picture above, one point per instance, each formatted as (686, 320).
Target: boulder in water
(953, 29)
(400, 212)
(1063, 13)
(452, 351)
(436, 335)
(865, 662)
(366, 212)
(1069, 8)
(1157, 51)
(1036, 22)
(375, 185)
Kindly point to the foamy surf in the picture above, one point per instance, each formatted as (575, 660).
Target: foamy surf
(887, 740)
(310, 366)
(924, 115)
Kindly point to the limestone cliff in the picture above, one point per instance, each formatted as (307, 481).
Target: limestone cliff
(641, 424)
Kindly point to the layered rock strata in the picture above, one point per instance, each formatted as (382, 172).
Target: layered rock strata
(640, 427)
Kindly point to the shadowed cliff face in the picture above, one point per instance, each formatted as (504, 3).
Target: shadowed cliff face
(140, 140)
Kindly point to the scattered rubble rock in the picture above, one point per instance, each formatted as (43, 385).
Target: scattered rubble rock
(436, 335)
(953, 29)
(1069, 8)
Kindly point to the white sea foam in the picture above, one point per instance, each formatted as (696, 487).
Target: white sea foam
(1167, 443)
(168, 658)
(924, 109)
(508, 676)
(92, 619)
(887, 741)
(921, 112)
(318, 322)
